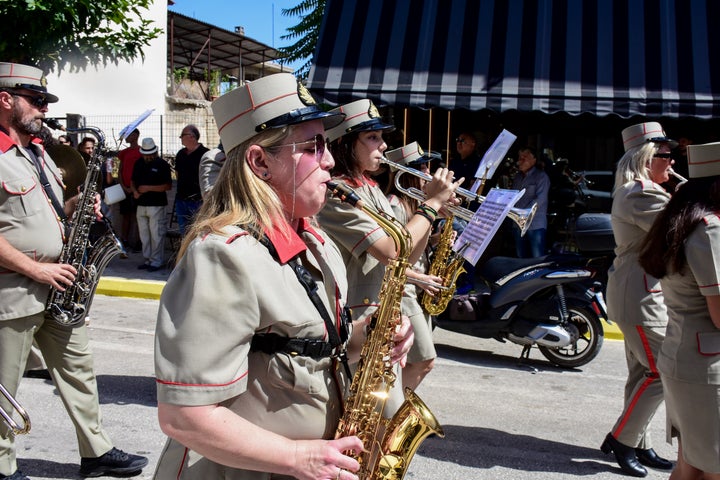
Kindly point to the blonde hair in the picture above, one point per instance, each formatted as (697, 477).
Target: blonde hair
(239, 197)
(635, 164)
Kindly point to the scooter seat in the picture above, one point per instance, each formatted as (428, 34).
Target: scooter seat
(497, 267)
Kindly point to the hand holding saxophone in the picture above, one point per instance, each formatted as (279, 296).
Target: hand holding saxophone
(326, 459)
(402, 341)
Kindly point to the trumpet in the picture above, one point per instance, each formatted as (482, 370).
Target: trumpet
(15, 427)
(521, 216)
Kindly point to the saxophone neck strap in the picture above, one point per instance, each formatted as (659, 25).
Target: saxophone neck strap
(271, 343)
(46, 184)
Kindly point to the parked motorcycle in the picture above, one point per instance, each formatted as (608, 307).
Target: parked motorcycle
(554, 302)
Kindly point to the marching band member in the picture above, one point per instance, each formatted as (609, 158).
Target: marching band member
(31, 240)
(252, 323)
(635, 299)
(683, 250)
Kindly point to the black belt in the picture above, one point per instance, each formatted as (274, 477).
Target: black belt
(272, 342)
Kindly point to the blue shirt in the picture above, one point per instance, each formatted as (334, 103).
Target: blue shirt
(537, 186)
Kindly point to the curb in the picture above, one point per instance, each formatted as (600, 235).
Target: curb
(133, 288)
(612, 332)
(151, 289)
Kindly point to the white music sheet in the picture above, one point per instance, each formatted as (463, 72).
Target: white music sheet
(493, 158)
(485, 222)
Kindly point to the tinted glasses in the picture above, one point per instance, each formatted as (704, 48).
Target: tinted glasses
(315, 146)
(40, 101)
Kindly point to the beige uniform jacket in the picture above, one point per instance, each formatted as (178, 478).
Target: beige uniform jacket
(29, 223)
(634, 297)
(691, 350)
(224, 290)
(354, 232)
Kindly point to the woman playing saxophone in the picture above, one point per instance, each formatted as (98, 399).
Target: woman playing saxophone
(247, 382)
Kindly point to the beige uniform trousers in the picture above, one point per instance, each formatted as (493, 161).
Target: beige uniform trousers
(69, 360)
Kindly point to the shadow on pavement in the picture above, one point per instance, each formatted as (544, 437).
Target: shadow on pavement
(489, 358)
(485, 448)
(124, 390)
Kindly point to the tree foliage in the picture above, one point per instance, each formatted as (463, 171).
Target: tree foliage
(59, 34)
(306, 33)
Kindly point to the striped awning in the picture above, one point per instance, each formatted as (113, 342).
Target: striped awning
(623, 57)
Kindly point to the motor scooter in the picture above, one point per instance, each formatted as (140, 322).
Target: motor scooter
(554, 302)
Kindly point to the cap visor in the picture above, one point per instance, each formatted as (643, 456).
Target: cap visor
(372, 125)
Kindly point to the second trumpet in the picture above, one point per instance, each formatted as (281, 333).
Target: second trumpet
(521, 216)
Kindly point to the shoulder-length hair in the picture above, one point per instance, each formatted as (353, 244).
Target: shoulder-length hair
(662, 251)
(239, 197)
(635, 164)
(343, 151)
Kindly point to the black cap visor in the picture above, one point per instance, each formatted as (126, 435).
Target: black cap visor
(371, 125)
(671, 143)
(36, 88)
(427, 157)
(300, 115)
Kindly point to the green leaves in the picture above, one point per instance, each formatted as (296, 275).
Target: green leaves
(306, 32)
(59, 34)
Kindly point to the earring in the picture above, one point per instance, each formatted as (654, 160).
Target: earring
(265, 174)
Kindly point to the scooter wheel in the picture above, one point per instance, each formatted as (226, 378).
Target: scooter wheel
(588, 334)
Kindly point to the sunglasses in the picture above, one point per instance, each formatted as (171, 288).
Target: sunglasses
(459, 140)
(40, 101)
(318, 145)
(663, 155)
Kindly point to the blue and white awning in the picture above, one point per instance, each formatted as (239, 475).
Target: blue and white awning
(623, 57)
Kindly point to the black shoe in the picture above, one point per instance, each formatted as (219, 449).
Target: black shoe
(144, 266)
(37, 373)
(18, 475)
(153, 268)
(651, 459)
(114, 462)
(625, 456)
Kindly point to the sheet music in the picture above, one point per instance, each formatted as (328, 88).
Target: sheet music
(493, 157)
(485, 222)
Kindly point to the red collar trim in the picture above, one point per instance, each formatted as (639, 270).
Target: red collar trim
(289, 248)
(6, 143)
(359, 182)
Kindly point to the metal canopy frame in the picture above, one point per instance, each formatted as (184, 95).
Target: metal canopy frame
(202, 47)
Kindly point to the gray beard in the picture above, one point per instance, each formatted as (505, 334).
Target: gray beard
(28, 127)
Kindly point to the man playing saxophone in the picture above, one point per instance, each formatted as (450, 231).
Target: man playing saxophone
(32, 233)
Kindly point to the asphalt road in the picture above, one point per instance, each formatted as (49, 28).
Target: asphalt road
(502, 420)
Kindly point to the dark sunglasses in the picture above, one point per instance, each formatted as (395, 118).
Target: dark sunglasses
(40, 101)
(663, 155)
(318, 142)
(459, 140)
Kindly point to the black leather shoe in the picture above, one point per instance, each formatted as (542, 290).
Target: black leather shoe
(651, 459)
(625, 456)
(18, 475)
(114, 462)
(37, 373)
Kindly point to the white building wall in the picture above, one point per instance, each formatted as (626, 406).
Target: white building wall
(123, 89)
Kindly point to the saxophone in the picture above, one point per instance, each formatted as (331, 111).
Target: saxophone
(447, 264)
(88, 256)
(389, 443)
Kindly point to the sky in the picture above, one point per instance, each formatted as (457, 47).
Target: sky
(263, 19)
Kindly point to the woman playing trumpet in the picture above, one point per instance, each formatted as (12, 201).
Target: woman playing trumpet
(421, 357)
